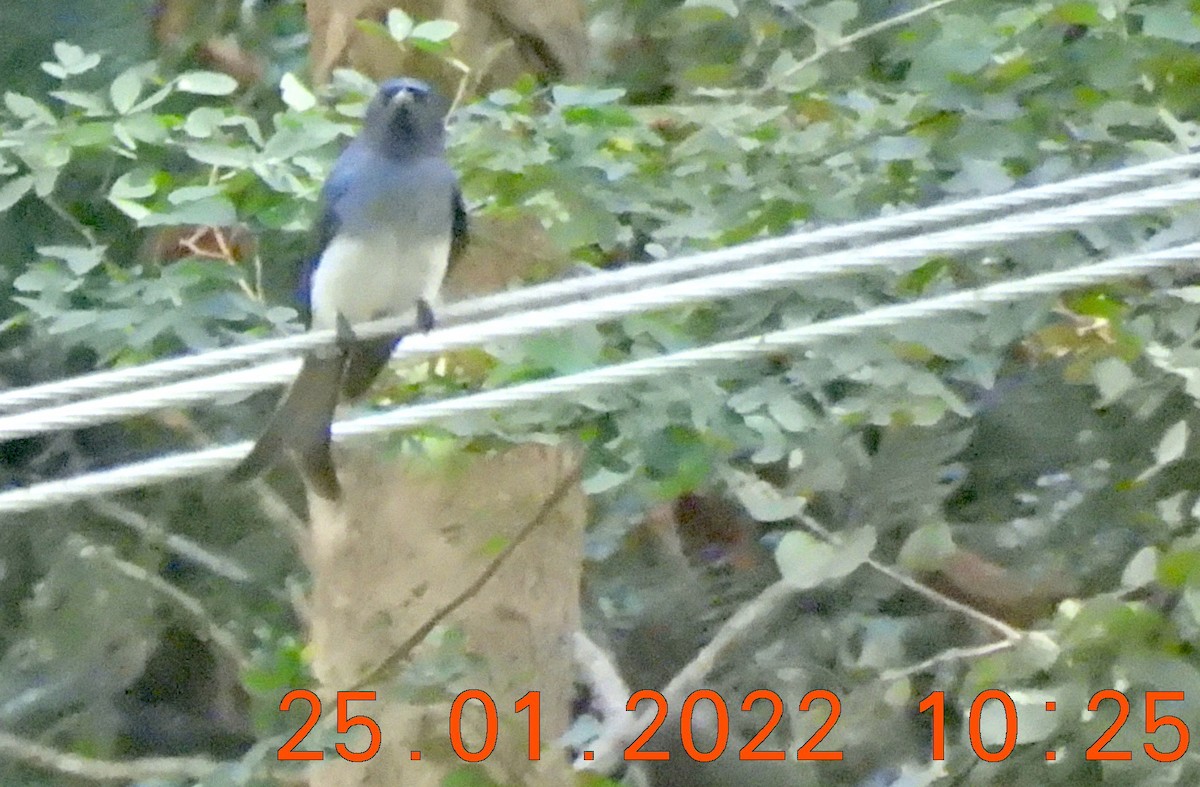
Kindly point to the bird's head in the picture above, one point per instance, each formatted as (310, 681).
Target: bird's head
(406, 116)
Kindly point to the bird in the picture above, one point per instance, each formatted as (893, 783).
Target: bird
(391, 221)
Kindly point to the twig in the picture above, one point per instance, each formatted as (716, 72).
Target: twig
(1005, 630)
(860, 34)
(277, 510)
(208, 627)
(156, 534)
(139, 770)
(603, 677)
(461, 91)
(384, 671)
(66, 216)
(952, 654)
(607, 749)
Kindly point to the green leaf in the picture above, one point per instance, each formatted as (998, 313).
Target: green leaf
(71, 60)
(124, 137)
(202, 122)
(234, 157)
(68, 54)
(506, 97)
(144, 127)
(771, 446)
(80, 259)
(295, 137)
(1082, 12)
(469, 776)
(727, 7)
(806, 561)
(1037, 724)
(155, 98)
(206, 83)
(1172, 445)
(1113, 378)
(1178, 567)
(568, 96)
(39, 278)
(763, 501)
(435, 31)
(26, 108)
(788, 75)
(295, 94)
(91, 103)
(927, 548)
(13, 190)
(73, 320)
(830, 18)
(212, 212)
(135, 184)
(789, 413)
(192, 193)
(1172, 24)
(125, 89)
(134, 210)
(1141, 569)
(95, 134)
(603, 479)
(399, 24)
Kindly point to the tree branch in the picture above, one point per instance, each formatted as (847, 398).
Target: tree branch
(140, 770)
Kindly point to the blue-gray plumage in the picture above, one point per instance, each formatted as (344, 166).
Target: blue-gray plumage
(391, 221)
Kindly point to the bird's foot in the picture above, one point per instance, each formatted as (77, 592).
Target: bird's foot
(425, 318)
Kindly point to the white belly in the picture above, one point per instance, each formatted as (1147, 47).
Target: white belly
(368, 278)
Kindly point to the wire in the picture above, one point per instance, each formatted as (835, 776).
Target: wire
(228, 385)
(196, 463)
(627, 280)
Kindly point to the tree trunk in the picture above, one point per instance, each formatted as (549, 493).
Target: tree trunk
(408, 539)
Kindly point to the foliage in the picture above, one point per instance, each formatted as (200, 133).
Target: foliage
(1053, 438)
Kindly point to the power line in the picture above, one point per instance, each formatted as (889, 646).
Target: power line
(622, 281)
(197, 463)
(765, 277)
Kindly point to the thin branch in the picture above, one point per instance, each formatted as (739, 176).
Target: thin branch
(208, 627)
(859, 35)
(384, 671)
(999, 626)
(461, 91)
(1005, 630)
(607, 750)
(155, 533)
(602, 676)
(952, 654)
(66, 216)
(275, 508)
(140, 770)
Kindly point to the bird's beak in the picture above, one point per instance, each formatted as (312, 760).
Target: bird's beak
(402, 98)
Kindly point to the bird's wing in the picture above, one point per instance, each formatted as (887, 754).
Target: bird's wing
(326, 226)
(460, 230)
